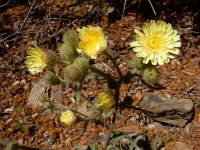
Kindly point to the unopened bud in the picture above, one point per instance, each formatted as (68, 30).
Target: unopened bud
(105, 101)
(73, 74)
(151, 75)
(68, 117)
(68, 51)
(137, 62)
(71, 36)
(42, 98)
(137, 72)
(51, 58)
(47, 105)
(52, 79)
(82, 63)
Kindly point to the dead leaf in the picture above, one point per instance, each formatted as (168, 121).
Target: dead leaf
(128, 129)
(36, 91)
(83, 108)
(57, 93)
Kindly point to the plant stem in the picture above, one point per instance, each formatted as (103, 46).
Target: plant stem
(114, 114)
(109, 134)
(93, 116)
(115, 64)
(78, 92)
(83, 116)
(117, 94)
(59, 106)
(107, 76)
(64, 63)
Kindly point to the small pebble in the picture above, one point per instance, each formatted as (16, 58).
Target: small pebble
(21, 141)
(7, 110)
(15, 83)
(23, 81)
(61, 137)
(52, 139)
(35, 115)
(8, 121)
(150, 126)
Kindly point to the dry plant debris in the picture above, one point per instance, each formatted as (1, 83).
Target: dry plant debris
(24, 23)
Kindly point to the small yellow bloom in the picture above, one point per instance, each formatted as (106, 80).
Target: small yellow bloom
(92, 41)
(35, 60)
(68, 117)
(157, 44)
(105, 101)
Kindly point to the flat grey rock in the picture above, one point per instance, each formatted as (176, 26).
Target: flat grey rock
(181, 146)
(176, 112)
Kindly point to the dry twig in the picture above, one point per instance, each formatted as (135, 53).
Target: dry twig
(25, 20)
(5, 4)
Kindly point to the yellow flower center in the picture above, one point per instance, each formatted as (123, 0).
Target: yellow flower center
(154, 43)
(43, 57)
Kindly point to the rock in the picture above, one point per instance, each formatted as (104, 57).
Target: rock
(150, 127)
(177, 145)
(20, 141)
(181, 146)
(8, 121)
(159, 128)
(8, 110)
(162, 109)
(61, 137)
(194, 128)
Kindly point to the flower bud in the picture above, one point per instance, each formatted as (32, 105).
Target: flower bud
(73, 74)
(137, 62)
(82, 63)
(68, 117)
(47, 105)
(51, 58)
(52, 79)
(104, 101)
(71, 37)
(68, 51)
(137, 71)
(151, 75)
(42, 98)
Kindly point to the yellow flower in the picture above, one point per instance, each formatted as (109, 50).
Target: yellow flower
(105, 101)
(92, 41)
(157, 44)
(35, 60)
(68, 117)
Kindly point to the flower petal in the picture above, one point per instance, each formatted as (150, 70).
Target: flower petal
(138, 33)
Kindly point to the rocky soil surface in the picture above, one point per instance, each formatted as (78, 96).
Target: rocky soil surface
(172, 117)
